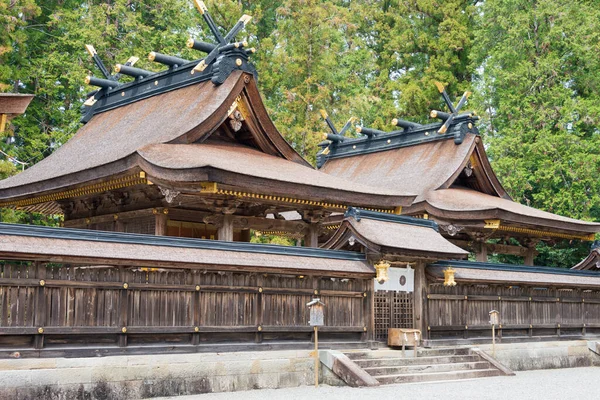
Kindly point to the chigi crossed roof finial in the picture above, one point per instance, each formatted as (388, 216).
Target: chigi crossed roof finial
(454, 115)
(455, 126)
(222, 58)
(335, 135)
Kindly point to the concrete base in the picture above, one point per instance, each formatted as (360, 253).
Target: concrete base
(136, 377)
(543, 355)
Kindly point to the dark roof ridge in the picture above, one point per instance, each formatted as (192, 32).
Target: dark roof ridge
(151, 240)
(358, 213)
(396, 139)
(511, 267)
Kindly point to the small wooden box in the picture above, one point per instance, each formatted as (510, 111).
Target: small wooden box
(404, 337)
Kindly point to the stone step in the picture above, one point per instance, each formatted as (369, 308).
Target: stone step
(449, 351)
(412, 369)
(393, 362)
(396, 352)
(437, 376)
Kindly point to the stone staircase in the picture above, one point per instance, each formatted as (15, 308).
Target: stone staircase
(388, 366)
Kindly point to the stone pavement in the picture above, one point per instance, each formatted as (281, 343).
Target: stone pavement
(554, 384)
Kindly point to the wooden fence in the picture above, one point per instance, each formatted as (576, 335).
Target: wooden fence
(462, 311)
(45, 305)
(392, 310)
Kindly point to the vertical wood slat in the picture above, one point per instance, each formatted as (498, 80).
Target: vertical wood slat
(123, 307)
(258, 311)
(40, 305)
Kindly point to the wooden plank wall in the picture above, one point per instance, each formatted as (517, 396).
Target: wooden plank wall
(44, 305)
(462, 311)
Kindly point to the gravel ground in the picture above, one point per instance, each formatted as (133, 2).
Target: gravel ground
(571, 383)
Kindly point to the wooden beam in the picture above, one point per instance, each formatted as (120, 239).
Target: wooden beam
(245, 222)
(495, 248)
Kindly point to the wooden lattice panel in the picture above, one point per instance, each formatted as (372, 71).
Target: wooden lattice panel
(392, 310)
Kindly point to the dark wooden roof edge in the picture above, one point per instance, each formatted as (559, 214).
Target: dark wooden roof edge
(395, 139)
(257, 106)
(135, 164)
(495, 213)
(492, 178)
(488, 179)
(513, 268)
(358, 213)
(165, 241)
(589, 263)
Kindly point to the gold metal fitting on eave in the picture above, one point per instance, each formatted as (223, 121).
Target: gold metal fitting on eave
(492, 224)
(208, 187)
(449, 277)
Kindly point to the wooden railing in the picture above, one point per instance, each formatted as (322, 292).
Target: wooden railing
(45, 305)
(462, 312)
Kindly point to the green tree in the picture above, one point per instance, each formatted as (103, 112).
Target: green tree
(417, 43)
(538, 82)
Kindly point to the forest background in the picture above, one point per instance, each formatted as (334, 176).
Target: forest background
(533, 68)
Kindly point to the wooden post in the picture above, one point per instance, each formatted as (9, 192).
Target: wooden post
(245, 235)
(418, 295)
(316, 356)
(196, 316)
(529, 256)
(259, 308)
(225, 231)
(123, 308)
(160, 227)
(312, 237)
(40, 304)
(369, 309)
(493, 341)
(481, 254)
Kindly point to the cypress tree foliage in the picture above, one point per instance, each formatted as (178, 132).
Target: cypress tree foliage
(417, 43)
(44, 54)
(314, 58)
(539, 85)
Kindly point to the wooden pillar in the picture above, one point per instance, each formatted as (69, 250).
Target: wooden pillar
(118, 226)
(481, 254)
(245, 236)
(225, 231)
(123, 308)
(418, 294)
(160, 227)
(529, 256)
(312, 237)
(40, 304)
